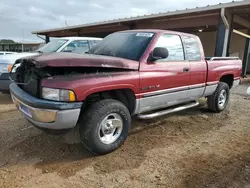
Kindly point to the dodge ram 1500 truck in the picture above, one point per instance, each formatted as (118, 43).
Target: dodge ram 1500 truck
(146, 73)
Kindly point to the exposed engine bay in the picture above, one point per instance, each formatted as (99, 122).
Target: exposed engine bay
(28, 76)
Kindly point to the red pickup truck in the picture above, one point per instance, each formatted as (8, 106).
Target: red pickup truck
(146, 73)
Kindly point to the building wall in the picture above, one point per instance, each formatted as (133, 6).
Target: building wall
(237, 45)
(208, 40)
(18, 47)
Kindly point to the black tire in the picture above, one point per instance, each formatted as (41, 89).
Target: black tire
(91, 121)
(213, 100)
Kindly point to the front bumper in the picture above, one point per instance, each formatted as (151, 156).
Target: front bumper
(43, 113)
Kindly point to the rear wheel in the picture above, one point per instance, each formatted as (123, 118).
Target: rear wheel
(218, 101)
(104, 126)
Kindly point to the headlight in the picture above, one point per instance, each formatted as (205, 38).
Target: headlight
(58, 94)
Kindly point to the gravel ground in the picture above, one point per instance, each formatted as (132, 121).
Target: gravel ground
(193, 148)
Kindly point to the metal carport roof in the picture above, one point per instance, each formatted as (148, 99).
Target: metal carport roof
(106, 27)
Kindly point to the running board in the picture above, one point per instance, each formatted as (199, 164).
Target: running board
(168, 111)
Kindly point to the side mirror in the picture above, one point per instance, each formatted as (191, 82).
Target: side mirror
(158, 53)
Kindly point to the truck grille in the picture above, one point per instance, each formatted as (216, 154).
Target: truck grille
(25, 76)
(32, 85)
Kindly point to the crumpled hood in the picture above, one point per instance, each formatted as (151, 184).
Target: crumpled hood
(65, 59)
(11, 58)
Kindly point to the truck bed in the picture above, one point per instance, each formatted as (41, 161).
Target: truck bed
(219, 66)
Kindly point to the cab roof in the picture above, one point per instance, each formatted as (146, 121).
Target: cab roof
(160, 31)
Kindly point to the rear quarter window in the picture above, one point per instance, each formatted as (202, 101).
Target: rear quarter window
(192, 48)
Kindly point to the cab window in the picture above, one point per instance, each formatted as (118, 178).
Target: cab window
(174, 46)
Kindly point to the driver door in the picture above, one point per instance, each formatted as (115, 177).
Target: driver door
(165, 82)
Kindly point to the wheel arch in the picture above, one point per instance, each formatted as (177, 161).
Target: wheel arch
(228, 79)
(124, 95)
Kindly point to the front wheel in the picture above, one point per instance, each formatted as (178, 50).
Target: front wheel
(218, 101)
(104, 126)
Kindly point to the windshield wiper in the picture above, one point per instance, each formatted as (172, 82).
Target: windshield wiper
(40, 52)
(106, 54)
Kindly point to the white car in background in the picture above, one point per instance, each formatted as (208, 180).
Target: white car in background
(70, 44)
(65, 44)
(7, 53)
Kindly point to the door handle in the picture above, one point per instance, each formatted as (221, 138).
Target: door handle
(186, 69)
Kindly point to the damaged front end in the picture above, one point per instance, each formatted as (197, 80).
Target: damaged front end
(28, 74)
(26, 95)
(51, 91)
(25, 74)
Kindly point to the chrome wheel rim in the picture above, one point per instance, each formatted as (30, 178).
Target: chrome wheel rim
(222, 98)
(110, 128)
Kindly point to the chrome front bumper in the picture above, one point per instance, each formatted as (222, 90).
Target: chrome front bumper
(57, 116)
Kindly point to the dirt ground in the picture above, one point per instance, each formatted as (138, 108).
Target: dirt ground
(193, 148)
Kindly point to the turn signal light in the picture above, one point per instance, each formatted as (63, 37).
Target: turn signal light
(72, 96)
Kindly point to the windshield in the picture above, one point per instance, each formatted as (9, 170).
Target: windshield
(52, 46)
(128, 45)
